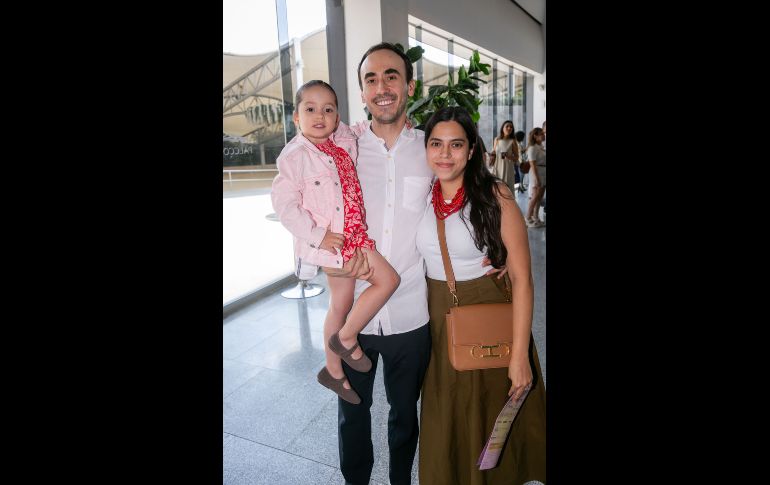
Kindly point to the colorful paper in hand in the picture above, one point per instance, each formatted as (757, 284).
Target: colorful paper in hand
(491, 452)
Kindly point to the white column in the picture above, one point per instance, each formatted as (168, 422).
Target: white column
(363, 29)
(298, 64)
(539, 105)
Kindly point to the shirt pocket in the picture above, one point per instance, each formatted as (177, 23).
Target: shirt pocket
(415, 193)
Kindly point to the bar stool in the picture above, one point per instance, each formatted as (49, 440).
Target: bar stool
(303, 289)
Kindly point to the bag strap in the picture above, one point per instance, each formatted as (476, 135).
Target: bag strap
(450, 274)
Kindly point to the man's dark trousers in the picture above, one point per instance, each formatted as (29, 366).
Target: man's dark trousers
(405, 358)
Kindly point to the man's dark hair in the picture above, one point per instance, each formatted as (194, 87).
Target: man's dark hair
(386, 46)
(520, 135)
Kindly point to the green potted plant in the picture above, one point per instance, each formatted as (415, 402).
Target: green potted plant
(463, 93)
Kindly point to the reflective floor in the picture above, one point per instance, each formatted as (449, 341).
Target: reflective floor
(279, 424)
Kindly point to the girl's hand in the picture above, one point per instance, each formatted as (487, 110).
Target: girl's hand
(332, 241)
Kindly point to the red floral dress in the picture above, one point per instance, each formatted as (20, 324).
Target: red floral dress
(355, 216)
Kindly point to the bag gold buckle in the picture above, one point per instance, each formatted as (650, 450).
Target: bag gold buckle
(488, 349)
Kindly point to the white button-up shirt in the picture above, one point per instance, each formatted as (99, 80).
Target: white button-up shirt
(395, 184)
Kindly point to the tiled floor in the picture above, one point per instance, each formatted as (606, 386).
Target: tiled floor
(279, 424)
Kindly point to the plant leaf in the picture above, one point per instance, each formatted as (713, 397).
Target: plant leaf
(415, 53)
(437, 90)
(468, 84)
(419, 105)
(462, 74)
(467, 102)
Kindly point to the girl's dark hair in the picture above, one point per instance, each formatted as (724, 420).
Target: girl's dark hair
(481, 188)
(502, 135)
(308, 85)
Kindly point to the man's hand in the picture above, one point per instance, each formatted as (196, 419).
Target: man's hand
(332, 241)
(356, 267)
(488, 262)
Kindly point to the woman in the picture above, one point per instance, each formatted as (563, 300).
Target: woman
(520, 135)
(507, 155)
(459, 408)
(536, 157)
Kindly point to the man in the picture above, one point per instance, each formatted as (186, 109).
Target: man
(395, 181)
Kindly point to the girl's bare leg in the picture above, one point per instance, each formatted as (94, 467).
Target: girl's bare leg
(340, 302)
(384, 281)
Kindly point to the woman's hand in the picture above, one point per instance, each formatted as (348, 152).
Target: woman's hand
(520, 374)
(487, 262)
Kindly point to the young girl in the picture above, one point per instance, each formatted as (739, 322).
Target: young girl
(318, 198)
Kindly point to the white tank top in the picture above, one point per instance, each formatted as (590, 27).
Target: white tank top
(466, 258)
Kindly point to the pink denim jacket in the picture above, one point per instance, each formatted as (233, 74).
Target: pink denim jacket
(307, 195)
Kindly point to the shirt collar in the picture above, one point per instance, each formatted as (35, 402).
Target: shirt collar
(407, 131)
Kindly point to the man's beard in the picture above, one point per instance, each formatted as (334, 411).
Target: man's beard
(387, 118)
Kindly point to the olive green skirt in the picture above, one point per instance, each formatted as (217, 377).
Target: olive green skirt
(459, 408)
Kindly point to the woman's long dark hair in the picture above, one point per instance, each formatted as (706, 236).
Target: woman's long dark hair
(481, 188)
(502, 130)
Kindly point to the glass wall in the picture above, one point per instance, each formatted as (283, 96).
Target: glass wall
(517, 103)
(257, 92)
(252, 102)
(502, 95)
(502, 98)
(269, 49)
